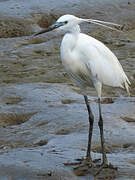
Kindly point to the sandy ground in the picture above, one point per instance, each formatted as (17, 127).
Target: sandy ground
(43, 118)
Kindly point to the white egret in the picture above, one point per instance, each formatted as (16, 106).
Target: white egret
(90, 63)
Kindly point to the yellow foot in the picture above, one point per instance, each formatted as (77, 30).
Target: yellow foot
(87, 166)
(82, 167)
(104, 166)
(87, 162)
(83, 162)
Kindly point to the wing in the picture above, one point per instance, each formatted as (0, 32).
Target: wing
(102, 63)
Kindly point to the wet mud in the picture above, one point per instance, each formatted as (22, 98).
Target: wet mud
(32, 143)
(43, 118)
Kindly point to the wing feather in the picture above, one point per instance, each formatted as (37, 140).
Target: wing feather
(102, 63)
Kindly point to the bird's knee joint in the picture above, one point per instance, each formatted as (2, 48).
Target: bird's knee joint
(91, 119)
(100, 123)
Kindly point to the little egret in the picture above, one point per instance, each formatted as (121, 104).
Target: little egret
(89, 63)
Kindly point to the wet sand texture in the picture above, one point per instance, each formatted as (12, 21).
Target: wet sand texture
(43, 118)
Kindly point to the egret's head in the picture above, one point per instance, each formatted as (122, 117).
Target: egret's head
(64, 23)
(69, 22)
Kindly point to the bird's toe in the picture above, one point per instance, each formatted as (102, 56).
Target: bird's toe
(105, 166)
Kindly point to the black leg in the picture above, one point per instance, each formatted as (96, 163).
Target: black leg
(91, 121)
(100, 124)
(105, 163)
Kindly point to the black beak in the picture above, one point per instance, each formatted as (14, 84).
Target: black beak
(50, 28)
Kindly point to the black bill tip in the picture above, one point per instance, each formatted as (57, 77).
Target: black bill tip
(50, 28)
(43, 31)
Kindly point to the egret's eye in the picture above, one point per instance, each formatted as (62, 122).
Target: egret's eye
(66, 22)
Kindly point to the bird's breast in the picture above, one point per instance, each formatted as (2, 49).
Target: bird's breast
(75, 67)
(73, 61)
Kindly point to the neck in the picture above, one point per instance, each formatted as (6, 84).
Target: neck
(75, 29)
(69, 40)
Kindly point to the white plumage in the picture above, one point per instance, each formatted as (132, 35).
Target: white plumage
(89, 62)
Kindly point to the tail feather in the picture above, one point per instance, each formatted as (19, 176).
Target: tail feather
(127, 88)
(126, 85)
